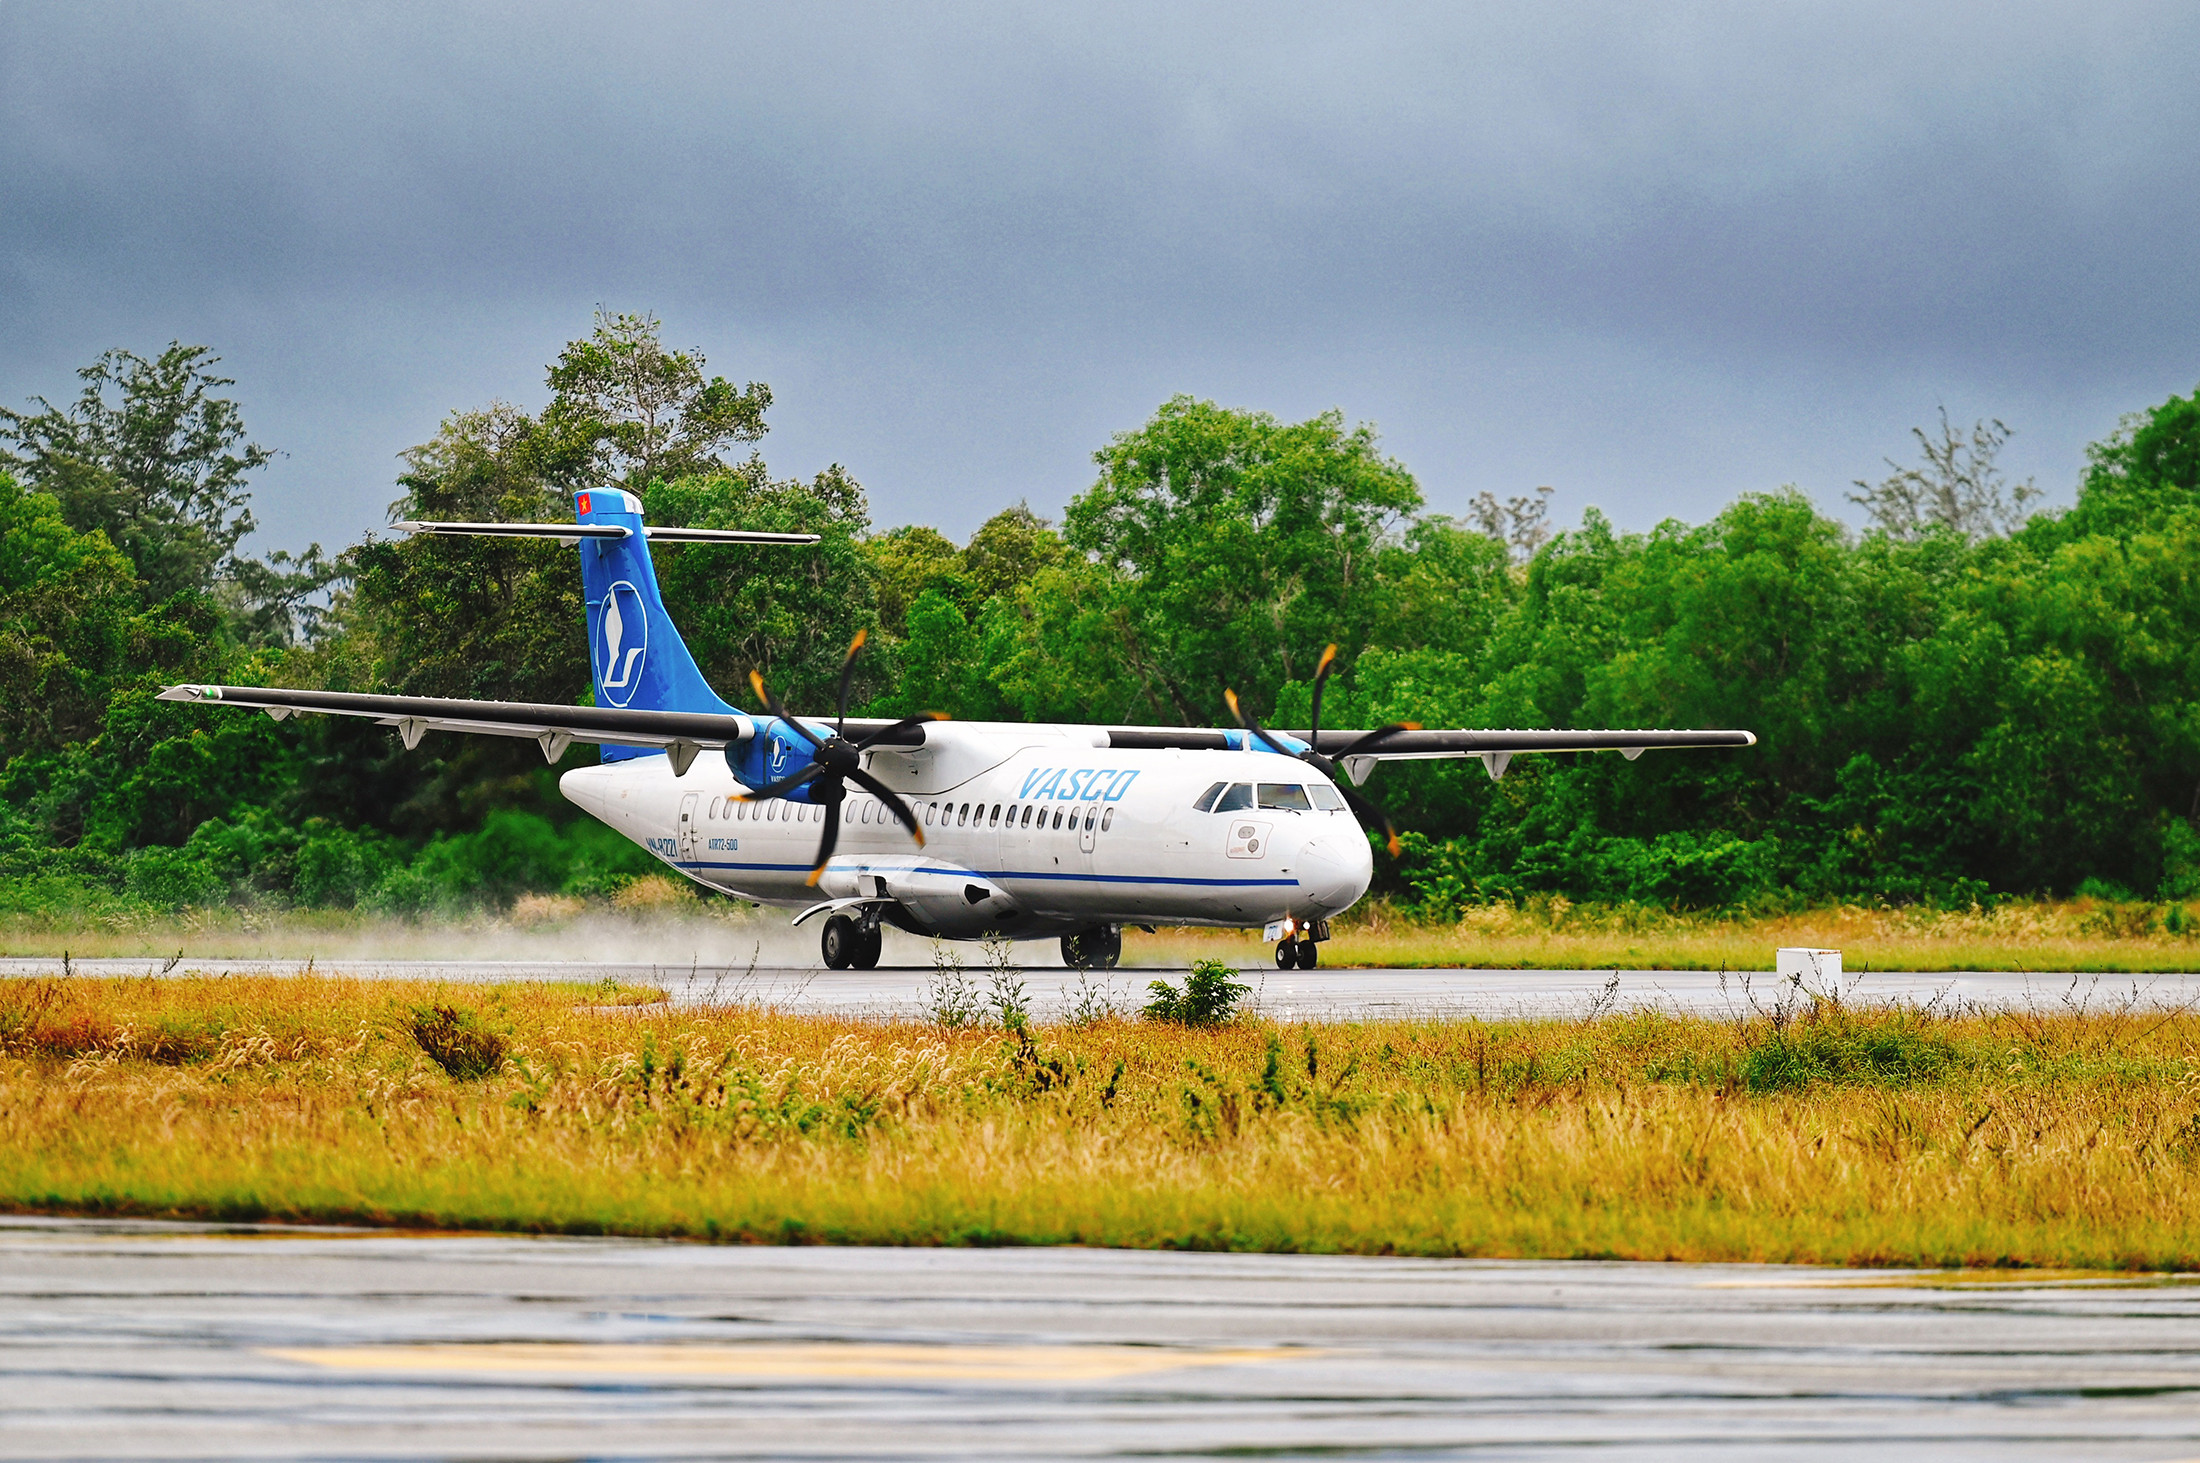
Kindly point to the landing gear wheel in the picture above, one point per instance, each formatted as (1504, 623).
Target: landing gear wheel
(1098, 949)
(868, 944)
(1287, 955)
(840, 943)
(1309, 955)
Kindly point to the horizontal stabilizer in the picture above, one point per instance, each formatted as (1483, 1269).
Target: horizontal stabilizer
(573, 533)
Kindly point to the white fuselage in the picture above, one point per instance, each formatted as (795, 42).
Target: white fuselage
(1029, 831)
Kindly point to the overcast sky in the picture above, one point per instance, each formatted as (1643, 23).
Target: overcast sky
(1654, 256)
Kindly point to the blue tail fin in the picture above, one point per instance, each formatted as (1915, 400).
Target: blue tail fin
(637, 657)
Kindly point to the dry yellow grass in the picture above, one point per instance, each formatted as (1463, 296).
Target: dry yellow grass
(1554, 934)
(2065, 1139)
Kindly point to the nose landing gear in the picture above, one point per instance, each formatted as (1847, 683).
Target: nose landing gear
(1297, 942)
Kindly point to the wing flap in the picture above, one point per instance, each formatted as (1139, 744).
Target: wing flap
(412, 715)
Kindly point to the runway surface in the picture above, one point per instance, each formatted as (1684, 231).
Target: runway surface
(122, 1340)
(905, 991)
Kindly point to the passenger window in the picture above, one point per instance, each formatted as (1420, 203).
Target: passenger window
(1327, 798)
(1057, 818)
(1287, 795)
(962, 816)
(1025, 821)
(993, 819)
(1206, 800)
(1238, 797)
(1088, 819)
(1107, 820)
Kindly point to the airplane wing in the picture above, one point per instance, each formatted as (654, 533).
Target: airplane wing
(682, 734)
(1495, 748)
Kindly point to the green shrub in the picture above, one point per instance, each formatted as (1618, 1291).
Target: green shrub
(1890, 1053)
(1209, 997)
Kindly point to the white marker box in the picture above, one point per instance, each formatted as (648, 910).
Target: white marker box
(1818, 969)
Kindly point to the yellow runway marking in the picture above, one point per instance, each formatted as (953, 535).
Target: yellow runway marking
(827, 1360)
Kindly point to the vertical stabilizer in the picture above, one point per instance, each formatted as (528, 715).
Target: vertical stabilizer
(636, 657)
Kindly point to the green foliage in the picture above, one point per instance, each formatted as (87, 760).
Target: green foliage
(1947, 714)
(1209, 997)
(1239, 545)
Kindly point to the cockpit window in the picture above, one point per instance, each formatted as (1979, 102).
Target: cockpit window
(1285, 795)
(1206, 799)
(1327, 798)
(1238, 798)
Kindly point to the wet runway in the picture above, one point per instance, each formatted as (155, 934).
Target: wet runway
(906, 991)
(168, 1341)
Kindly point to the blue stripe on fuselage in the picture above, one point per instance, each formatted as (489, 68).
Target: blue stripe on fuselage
(958, 873)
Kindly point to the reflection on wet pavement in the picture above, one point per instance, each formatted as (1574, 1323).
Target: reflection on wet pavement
(173, 1341)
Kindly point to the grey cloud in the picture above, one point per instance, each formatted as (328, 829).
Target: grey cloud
(1653, 256)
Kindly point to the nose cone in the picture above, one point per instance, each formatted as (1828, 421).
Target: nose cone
(1333, 870)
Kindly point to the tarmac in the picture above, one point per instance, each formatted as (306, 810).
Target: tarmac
(909, 991)
(149, 1340)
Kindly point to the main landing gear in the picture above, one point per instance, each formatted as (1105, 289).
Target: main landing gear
(848, 943)
(1099, 948)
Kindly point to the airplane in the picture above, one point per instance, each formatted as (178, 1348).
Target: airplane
(955, 830)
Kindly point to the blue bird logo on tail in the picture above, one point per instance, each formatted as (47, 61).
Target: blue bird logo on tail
(619, 670)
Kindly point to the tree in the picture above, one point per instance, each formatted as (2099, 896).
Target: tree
(149, 455)
(787, 612)
(1957, 487)
(627, 410)
(906, 562)
(1241, 546)
(1523, 524)
(71, 628)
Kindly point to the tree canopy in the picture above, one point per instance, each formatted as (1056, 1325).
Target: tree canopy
(1962, 701)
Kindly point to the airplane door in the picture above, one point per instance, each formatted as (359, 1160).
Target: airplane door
(687, 826)
(1088, 831)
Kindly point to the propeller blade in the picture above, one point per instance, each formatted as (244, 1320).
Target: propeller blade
(1246, 720)
(763, 694)
(780, 788)
(900, 726)
(825, 843)
(1321, 678)
(1367, 813)
(848, 669)
(1365, 743)
(891, 800)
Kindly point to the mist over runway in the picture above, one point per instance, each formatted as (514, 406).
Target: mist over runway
(904, 990)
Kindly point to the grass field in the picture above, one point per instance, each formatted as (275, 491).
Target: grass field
(2063, 1138)
(658, 921)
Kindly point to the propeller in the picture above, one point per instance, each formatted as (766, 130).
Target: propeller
(835, 762)
(1364, 810)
